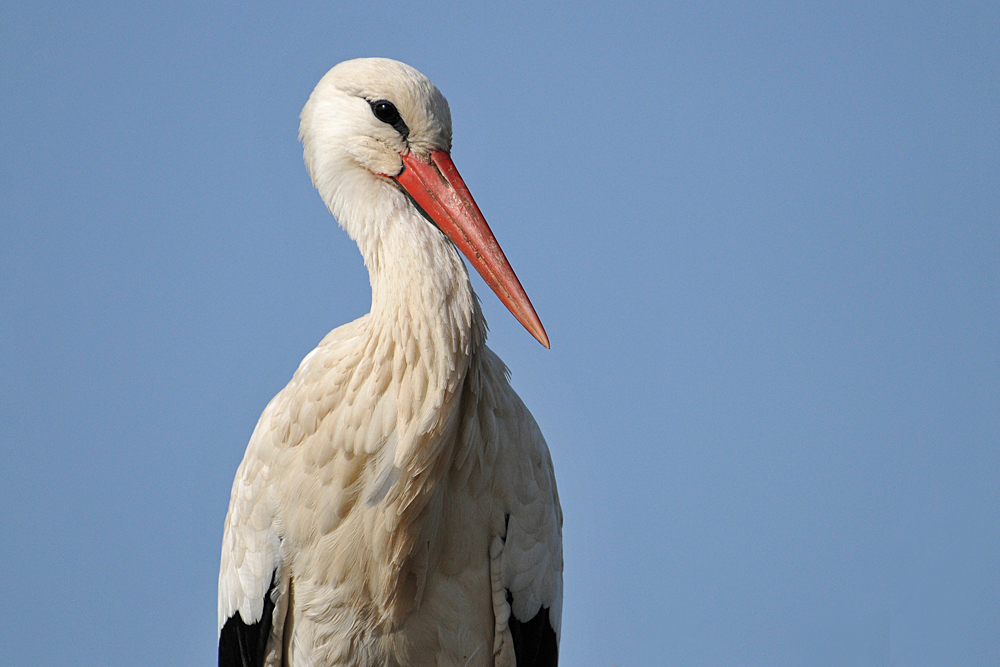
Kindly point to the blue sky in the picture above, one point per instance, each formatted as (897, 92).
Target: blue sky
(764, 239)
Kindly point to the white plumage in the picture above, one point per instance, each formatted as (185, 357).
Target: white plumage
(396, 504)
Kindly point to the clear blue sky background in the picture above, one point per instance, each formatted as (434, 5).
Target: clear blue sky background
(764, 239)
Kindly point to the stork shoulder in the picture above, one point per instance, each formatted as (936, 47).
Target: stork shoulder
(530, 557)
(257, 519)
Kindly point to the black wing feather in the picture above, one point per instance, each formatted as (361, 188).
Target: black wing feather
(242, 645)
(535, 642)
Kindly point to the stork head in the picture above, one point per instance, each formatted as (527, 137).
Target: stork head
(376, 135)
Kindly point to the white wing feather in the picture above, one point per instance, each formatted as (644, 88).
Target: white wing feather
(250, 544)
(532, 560)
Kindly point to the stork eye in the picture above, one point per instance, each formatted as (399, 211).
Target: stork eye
(385, 112)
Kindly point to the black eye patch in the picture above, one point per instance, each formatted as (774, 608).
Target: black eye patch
(386, 112)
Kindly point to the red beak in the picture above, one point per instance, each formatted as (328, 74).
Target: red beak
(439, 190)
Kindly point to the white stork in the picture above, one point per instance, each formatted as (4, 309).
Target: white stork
(396, 505)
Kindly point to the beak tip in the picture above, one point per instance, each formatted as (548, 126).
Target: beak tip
(542, 337)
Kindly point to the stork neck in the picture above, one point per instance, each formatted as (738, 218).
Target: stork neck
(421, 292)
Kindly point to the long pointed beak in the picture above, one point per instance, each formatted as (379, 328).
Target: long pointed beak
(439, 190)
